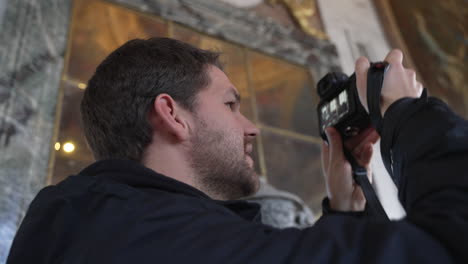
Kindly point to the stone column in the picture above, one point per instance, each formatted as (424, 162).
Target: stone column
(355, 29)
(33, 40)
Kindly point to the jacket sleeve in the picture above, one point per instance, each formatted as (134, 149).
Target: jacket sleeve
(115, 227)
(428, 146)
(219, 238)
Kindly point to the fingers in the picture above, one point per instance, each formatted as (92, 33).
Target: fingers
(395, 57)
(364, 155)
(325, 157)
(359, 200)
(367, 135)
(361, 148)
(361, 68)
(417, 85)
(411, 74)
(341, 189)
(420, 88)
(335, 145)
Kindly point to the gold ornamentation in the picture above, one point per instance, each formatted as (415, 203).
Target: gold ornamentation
(302, 11)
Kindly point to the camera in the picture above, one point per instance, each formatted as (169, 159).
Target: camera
(341, 108)
(339, 104)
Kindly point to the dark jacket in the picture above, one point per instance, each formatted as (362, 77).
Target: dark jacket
(121, 212)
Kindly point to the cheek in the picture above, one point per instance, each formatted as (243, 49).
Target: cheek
(229, 122)
(234, 141)
(233, 135)
(228, 125)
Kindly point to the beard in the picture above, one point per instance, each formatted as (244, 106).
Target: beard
(218, 159)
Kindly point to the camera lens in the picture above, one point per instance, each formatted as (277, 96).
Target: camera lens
(330, 83)
(351, 131)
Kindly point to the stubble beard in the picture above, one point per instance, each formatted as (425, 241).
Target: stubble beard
(219, 164)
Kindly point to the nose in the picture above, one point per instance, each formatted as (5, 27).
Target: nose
(250, 129)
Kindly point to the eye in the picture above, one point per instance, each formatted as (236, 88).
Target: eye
(232, 105)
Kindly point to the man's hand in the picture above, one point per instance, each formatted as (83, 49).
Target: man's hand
(344, 194)
(398, 82)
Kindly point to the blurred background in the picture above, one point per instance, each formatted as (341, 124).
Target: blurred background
(274, 50)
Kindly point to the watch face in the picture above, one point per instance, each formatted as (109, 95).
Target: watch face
(334, 110)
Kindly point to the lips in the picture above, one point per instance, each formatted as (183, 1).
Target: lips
(249, 160)
(248, 149)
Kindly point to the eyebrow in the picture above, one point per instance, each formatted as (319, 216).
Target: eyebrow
(236, 94)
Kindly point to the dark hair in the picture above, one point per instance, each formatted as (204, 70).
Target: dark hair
(119, 95)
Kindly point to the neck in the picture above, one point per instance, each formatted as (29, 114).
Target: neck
(169, 161)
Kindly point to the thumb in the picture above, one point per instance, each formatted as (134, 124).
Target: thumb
(335, 145)
(325, 157)
(361, 68)
(365, 155)
(395, 57)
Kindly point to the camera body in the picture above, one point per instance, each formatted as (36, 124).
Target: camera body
(339, 105)
(341, 108)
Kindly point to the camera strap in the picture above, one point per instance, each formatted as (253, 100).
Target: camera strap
(375, 77)
(374, 207)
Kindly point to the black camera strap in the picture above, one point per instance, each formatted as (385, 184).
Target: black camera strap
(375, 78)
(374, 206)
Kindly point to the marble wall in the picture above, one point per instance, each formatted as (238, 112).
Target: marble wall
(2, 9)
(355, 29)
(244, 28)
(32, 47)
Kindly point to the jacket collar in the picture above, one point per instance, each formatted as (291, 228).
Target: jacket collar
(134, 174)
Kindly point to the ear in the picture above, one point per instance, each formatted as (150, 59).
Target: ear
(170, 117)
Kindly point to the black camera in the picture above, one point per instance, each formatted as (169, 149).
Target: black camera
(341, 108)
(339, 104)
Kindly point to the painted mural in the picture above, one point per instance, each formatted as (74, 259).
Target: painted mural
(435, 34)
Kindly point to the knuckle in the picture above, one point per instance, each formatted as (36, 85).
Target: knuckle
(411, 73)
(398, 52)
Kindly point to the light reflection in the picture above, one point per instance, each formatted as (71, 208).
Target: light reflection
(82, 86)
(57, 146)
(68, 147)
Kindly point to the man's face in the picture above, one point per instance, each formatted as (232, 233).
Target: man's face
(222, 141)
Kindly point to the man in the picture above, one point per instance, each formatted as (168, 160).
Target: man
(173, 149)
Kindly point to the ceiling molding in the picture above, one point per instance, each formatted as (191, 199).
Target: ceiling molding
(245, 28)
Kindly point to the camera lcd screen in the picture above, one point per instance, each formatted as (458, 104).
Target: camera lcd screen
(334, 110)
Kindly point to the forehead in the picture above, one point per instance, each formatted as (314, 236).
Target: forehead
(219, 82)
